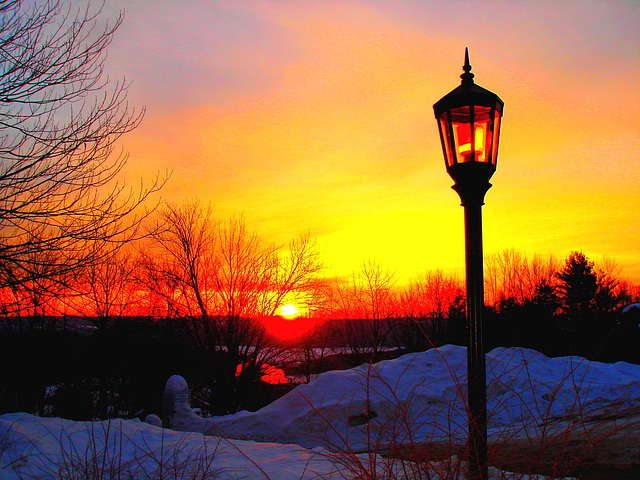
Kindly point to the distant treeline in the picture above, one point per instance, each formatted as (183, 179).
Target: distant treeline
(83, 368)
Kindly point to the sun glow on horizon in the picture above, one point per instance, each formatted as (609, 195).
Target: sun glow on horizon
(291, 328)
(289, 310)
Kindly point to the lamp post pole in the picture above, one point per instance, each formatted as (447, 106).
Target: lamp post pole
(469, 123)
(476, 368)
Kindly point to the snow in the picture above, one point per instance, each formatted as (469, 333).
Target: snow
(51, 448)
(176, 383)
(317, 429)
(422, 397)
(153, 419)
(53, 444)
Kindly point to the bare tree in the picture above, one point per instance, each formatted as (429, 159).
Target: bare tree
(253, 279)
(428, 303)
(367, 305)
(105, 290)
(60, 119)
(295, 276)
(223, 279)
(186, 237)
(34, 301)
(245, 271)
(512, 277)
(613, 292)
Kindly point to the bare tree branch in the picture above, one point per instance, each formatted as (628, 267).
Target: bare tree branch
(60, 121)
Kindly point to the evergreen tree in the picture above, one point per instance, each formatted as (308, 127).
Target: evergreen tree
(577, 288)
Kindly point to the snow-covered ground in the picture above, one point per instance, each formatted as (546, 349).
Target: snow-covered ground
(324, 429)
(422, 397)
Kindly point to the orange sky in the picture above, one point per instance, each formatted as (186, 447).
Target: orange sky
(317, 116)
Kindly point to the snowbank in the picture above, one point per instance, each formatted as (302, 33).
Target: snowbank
(422, 396)
(51, 448)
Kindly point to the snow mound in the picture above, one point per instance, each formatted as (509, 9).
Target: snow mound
(422, 397)
(52, 448)
(176, 383)
(153, 419)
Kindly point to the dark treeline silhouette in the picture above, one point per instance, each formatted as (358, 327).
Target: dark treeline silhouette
(110, 362)
(63, 367)
(576, 308)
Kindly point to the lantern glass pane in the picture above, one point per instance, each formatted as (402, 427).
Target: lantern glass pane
(462, 139)
(496, 136)
(482, 131)
(446, 139)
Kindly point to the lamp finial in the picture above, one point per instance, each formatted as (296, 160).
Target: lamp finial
(467, 76)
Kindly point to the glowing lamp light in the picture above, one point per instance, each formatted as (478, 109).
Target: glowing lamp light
(466, 153)
(469, 123)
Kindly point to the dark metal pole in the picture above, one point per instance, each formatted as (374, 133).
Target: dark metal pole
(472, 197)
(476, 380)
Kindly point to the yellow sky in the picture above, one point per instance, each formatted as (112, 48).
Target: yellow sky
(317, 116)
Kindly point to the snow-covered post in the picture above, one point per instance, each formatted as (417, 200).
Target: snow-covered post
(176, 394)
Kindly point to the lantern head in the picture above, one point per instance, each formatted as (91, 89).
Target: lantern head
(469, 123)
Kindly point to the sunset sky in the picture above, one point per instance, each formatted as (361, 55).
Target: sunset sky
(317, 116)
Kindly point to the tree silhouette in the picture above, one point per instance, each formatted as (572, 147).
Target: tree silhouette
(219, 278)
(60, 118)
(578, 284)
(428, 303)
(613, 293)
(512, 278)
(367, 304)
(577, 288)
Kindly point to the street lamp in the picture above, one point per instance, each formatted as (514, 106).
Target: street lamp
(469, 122)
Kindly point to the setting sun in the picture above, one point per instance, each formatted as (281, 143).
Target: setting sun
(289, 310)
